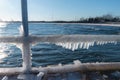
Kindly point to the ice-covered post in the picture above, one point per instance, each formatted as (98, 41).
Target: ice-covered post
(26, 45)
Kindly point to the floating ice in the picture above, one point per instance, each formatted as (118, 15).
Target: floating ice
(82, 45)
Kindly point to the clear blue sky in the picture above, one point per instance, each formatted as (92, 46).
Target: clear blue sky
(59, 9)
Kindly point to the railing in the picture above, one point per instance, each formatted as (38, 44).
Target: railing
(26, 40)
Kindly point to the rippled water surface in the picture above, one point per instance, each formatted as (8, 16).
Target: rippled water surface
(45, 54)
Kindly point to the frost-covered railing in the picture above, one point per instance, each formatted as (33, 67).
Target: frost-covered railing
(68, 41)
(72, 42)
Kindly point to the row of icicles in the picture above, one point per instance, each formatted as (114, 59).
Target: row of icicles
(77, 45)
(82, 45)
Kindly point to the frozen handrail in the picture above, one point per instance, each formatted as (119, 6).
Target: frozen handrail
(79, 67)
(61, 38)
(74, 38)
(71, 42)
(76, 67)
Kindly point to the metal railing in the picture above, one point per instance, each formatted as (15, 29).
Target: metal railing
(26, 40)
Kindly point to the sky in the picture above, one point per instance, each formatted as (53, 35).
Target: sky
(50, 10)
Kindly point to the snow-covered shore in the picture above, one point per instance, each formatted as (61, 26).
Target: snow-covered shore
(101, 24)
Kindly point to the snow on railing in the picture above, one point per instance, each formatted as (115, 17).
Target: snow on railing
(77, 41)
(74, 42)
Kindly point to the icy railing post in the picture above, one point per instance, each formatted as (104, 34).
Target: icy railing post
(26, 45)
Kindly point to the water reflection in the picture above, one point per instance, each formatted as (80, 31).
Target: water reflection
(10, 55)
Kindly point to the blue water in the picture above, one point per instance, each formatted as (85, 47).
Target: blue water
(48, 54)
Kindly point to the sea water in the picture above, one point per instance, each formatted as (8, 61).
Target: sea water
(47, 54)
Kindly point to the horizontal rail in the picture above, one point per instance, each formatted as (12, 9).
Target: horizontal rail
(60, 38)
(80, 67)
(75, 38)
(76, 67)
(63, 38)
(15, 39)
(11, 71)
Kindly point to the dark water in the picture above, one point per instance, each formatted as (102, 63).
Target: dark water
(47, 54)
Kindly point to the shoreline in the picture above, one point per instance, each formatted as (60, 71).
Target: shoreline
(94, 24)
(87, 24)
(100, 24)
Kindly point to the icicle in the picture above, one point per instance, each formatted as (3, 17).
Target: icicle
(98, 42)
(88, 45)
(77, 44)
(5, 78)
(106, 42)
(73, 46)
(40, 76)
(85, 45)
(69, 45)
(82, 45)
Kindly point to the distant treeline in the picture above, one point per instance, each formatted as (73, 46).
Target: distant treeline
(108, 18)
(100, 19)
